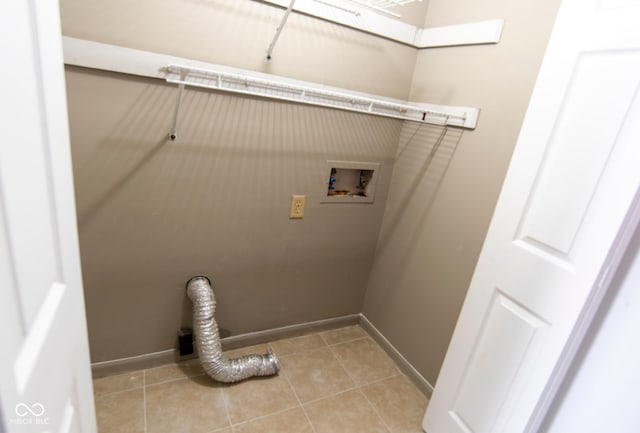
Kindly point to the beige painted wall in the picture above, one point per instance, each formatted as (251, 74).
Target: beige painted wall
(238, 33)
(439, 210)
(152, 213)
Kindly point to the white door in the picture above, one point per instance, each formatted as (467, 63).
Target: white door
(45, 380)
(572, 180)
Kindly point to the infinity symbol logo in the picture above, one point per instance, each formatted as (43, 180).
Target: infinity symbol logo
(36, 409)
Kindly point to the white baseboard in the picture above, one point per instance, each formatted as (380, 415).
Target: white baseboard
(406, 367)
(258, 337)
(133, 363)
(170, 356)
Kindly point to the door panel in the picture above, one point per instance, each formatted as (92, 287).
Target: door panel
(45, 381)
(571, 183)
(592, 114)
(509, 326)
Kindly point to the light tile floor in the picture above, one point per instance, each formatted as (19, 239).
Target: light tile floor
(337, 381)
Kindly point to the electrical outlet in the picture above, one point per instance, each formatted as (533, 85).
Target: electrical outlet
(297, 206)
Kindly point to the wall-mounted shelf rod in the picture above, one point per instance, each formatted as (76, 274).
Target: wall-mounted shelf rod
(250, 85)
(174, 131)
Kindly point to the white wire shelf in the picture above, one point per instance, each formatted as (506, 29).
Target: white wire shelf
(343, 6)
(249, 85)
(376, 5)
(386, 3)
(354, 15)
(383, 5)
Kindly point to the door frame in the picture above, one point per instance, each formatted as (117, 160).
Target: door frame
(585, 321)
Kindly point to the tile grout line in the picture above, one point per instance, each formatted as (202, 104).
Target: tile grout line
(355, 387)
(122, 391)
(143, 372)
(350, 340)
(393, 363)
(344, 391)
(346, 370)
(326, 346)
(256, 418)
(355, 384)
(304, 411)
(375, 410)
(332, 349)
(323, 339)
(221, 429)
(175, 379)
(226, 406)
(144, 399)
(131, 375)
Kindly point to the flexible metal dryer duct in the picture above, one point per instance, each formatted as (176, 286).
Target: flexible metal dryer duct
(205, 330)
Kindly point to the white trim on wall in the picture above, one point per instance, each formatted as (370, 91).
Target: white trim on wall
(406, 367)
(482, 32)
(170, 356)
(96, 55)
(134, 363)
